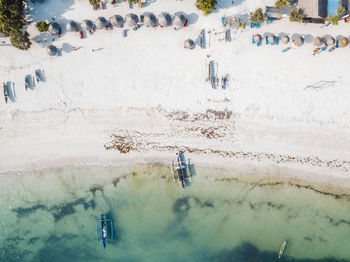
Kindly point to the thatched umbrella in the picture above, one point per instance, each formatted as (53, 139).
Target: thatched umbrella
(299, 40)
(257, 38)
(179, 20)
(131, 20)
(189, 44)
(51, 50)
(164, 19)
(101, 22)
(54, 28)
(117, 20)
(285, 39)
(343, 42)
(150, 20)
(72, 26)
(88, 25)
(330, 41)
(318, 41)
(271, 38)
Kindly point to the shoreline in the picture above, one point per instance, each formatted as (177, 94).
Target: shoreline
(226, 171)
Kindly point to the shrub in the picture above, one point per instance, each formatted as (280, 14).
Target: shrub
(296, 15)
(282, 3)
(206, 5)
(257, 16)
(243, 25)
(94, 2)
(20, 39)
(133, 1)
(340, 11)
(42, 26)
(334, 19)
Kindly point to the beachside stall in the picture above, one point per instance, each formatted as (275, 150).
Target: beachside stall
(101, 22)
(298, 40)
(117, 21)
(189, 44)
(164, 20)
(257, 38)
(318, 41)
(131, 20)
(271, 39)
(180, 20)
(343, 42)
(51, 50)
(150, 20)
(54, 29)
(88, 25)
(330, 41)
(285, 39)
(72, 26)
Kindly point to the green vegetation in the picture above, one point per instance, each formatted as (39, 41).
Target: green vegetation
(243, 25)
(335, 19)
(206, 6)
(20, 39)
(257, 16)
(132, 2)
(296, 15)
(282, 3)
(12, 21)
(42, 26)
(94, 2)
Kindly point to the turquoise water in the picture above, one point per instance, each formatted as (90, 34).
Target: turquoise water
(50, 215)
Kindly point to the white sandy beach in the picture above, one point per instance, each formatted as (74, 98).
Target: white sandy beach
(282, 114)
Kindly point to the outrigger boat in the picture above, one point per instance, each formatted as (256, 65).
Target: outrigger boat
(180, 169)
(282, 249)
(104, 230)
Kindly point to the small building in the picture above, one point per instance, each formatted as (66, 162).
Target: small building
(164, 19)
(51, 50)
(150, 20)
(314, 8)
(117, 20)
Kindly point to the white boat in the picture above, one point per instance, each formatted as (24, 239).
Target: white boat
(282, 249)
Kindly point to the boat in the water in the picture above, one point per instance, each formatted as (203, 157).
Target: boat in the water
(181, 170)
(106, 227)
(282, 249)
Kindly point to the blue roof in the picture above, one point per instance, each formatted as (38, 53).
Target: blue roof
(332, 7)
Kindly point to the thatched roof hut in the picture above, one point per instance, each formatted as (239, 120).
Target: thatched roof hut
(179, 20)
(131, 20)
(257, 38)
(318, 41)
(101, 22)
(298, 40)
(72, 26)
(88, 25)
(150, 20)
(189, 44)
(54, 28)
(330, 41)
(343, 42)
(285, 39)
(271, 38)
(117, 20)
(164, 19)
(51, 50)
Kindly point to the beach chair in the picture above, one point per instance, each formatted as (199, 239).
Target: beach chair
(257, 25)
(252, 25)
(253, 42)
(259, 43)
(337, 44)
(267, 41)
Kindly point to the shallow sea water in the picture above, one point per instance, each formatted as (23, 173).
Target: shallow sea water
(50, 215)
